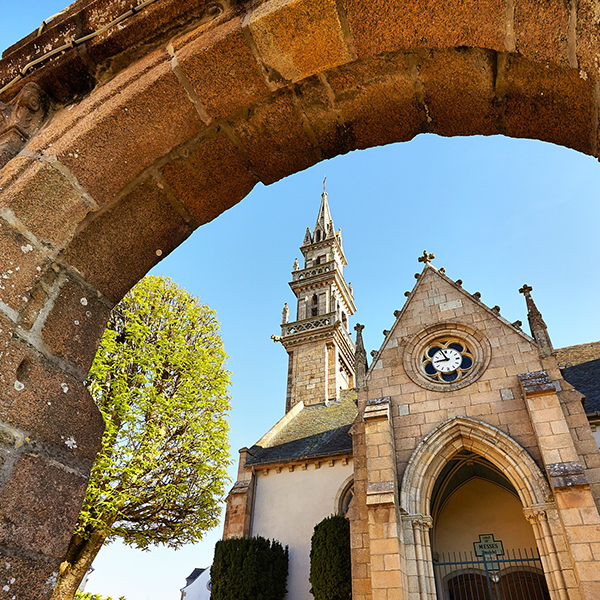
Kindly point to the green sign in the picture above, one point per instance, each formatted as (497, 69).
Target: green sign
(488, 546)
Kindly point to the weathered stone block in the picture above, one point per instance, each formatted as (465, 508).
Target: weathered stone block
(548, 103)
(588, 36)
(53, 497)
(21, 267)
(42, 199)
(27, 577)
(376, 103)
(210, 179)
(51, 407)
(458, 87)
(121, 129)
(274, 138)
(118, 248)
(542, 30)
(221, 68)
(387, 25)
(298, 38)
(75, 324)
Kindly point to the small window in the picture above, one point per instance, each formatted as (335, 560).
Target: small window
(315, 306)
(346, 499)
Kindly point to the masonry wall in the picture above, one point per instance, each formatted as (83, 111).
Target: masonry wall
(390, 546)
(309, 381)
(288, 505)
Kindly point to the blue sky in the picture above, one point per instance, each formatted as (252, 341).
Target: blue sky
(497, 213)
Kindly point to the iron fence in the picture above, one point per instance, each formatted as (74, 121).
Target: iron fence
(511, 576)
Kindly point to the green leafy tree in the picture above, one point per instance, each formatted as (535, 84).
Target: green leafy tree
(330, 572)
(88, 596)
(159, 380)
(249, 569)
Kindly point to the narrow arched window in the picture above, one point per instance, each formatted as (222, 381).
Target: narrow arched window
(346, 498)
(314, 310)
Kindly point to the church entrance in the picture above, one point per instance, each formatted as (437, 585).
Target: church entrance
(483, 547)
(514, 577)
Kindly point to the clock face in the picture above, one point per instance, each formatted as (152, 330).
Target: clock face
(446, 360)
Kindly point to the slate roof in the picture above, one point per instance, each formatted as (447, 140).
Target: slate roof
(314, 431)
(581, 368)
(194, 575)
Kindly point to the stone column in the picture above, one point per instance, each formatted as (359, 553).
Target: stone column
(358, 515)
(537, 516)
(575, 504)
(384, 535)
(420, 560)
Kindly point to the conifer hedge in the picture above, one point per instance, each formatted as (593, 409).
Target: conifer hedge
(330, 573)
(249, 569)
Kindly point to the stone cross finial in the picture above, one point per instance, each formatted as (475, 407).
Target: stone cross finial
(426, 258)
(539, 330)
(526, 289)
(324, 181)
(358, 327)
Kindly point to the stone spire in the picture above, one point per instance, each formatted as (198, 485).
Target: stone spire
(324, 225)
(361, 364)
(307, 237)
(539, 330)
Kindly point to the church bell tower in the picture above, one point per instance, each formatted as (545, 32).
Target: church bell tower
(318, 343)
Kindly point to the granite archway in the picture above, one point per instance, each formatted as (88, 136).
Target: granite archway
(145, 131)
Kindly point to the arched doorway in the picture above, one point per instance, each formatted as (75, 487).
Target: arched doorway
(450, 458)
(482, 545)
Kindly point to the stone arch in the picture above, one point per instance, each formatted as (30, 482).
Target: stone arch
(438, 447)
(162, 123)
(427, 462)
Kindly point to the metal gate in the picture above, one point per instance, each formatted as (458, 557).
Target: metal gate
(491, 577)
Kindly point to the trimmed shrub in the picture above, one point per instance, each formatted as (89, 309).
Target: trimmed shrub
(330, 572)
(249, 569)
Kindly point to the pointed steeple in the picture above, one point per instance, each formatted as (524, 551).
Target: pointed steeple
(324, 223)
(361, 365)
(539, 330)
(318, 341)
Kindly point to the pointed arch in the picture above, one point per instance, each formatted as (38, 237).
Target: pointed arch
(455, 434)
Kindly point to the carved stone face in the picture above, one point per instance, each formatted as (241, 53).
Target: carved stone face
(20, 119)
(30, 97)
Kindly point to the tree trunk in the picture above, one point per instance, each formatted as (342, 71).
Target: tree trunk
(79, 559)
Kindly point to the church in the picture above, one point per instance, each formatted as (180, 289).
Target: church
(465, 456)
